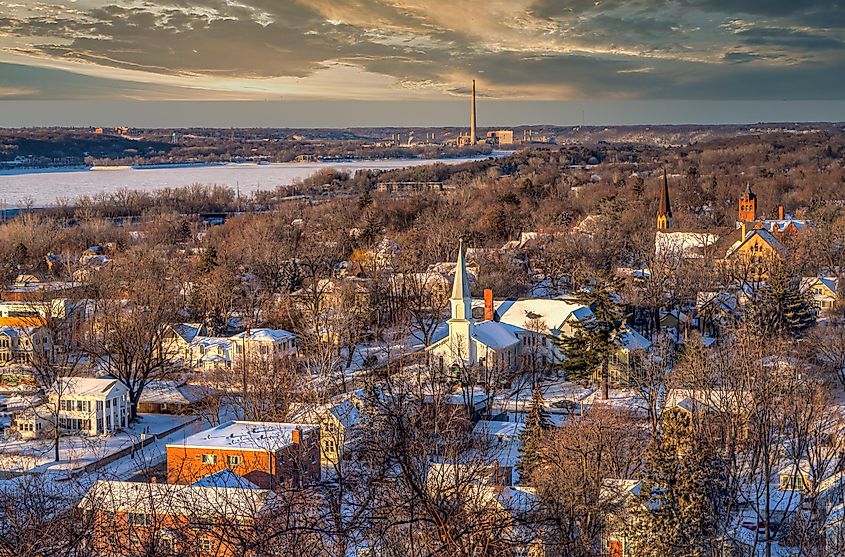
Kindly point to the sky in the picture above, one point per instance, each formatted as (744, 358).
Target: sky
(410, 62)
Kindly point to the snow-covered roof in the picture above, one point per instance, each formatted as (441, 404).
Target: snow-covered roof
(616, 488)
(171, 392)
(831, 283)
(501, 430)
(781, 225)
(225, 478)
(95, 387)
(261, 334)
(494, 335)
(16, 331)
(178, 500)
(344, 412)
(246, 436)
(552, 312)
(188, 331)
(630, 339)
(209, 342)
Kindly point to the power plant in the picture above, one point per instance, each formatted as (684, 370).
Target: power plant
(499, 137)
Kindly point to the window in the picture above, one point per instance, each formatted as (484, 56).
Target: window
(140, 519)
(205, 545)
(209, 459)
(233, 460)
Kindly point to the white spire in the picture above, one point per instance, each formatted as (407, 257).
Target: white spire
(460, 287)
(461, 298)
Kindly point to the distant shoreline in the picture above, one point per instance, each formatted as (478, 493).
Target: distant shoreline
(116, 168)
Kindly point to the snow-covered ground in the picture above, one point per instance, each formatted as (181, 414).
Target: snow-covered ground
(76, 451)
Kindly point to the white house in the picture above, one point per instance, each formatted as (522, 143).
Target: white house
(208, 353)
(91, 405)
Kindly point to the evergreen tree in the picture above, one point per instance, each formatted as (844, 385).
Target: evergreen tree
(536, 423)
(365, 200)
(20, 254)
(782, 309)
(209, 260)
(596, 337)
(683, 490)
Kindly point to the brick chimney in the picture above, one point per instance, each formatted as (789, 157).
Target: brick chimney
(488, 305)
(743, 230)
(296, 436)
(780, 212)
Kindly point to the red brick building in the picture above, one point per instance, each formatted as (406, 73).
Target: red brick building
(268, 454)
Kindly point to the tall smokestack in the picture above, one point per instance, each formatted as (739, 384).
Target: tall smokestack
(472, 135)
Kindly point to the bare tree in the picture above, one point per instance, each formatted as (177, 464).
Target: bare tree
(128, 338)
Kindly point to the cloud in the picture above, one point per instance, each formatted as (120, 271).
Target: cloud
(542, 49)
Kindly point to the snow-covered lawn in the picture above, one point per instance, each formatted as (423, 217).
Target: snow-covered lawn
(77, 451)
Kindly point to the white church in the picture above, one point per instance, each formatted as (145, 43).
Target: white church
(516, 335)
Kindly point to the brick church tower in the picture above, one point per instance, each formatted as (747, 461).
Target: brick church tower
(747, 205)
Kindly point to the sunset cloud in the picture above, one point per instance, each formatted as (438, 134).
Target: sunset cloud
(405, 49)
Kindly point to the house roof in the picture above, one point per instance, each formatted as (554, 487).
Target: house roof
(225, 478)
(188, 331)
(501, 430)
(172, 392)
(552, 311)
(831, 283)
(246, 436)
(630, 339)
(261, 334)
(178, 500)
(13, 331)
(88, 386)
(209, 342)
(494, 335)
(344, 412)
(28, 321)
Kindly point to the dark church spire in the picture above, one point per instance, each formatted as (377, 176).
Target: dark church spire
(664, 212)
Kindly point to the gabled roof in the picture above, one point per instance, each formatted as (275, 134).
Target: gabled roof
(87, 386)
(831, 283)
(629, 339)
(225, 478)
(764, 235)
(177, 500)
(187, 331)
(171, 392)
(553, 312)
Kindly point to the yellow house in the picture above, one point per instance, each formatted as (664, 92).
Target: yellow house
(755, 252)
(336, 423)
(823, 291)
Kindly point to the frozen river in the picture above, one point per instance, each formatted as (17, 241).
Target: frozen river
(45, 187)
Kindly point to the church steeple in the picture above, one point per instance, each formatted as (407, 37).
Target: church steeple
(747, 205)
(461, 300)
(664, 211)
(461, 324)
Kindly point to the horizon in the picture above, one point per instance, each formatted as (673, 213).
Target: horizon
(339, 114)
